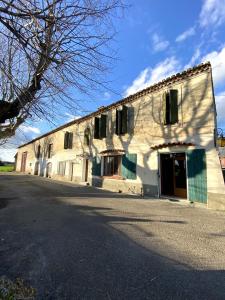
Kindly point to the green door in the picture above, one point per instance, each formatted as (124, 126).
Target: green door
(129, 166)
(197, 180)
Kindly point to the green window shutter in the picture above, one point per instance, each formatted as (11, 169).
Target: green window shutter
(173, 106)
(129, 166)
(130, 117)
(197, 180)
(124, 120)
(118, 122)
(70, 140)
(164, 108)
(66, 135)
(96, 128)
(96, 166)
(103, 124)
(87, 136)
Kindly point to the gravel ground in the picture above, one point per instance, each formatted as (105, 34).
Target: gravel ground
(74, 242)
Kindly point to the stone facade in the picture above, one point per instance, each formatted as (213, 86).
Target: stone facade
(147, 137)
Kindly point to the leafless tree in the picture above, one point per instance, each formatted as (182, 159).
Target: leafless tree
(47, 46)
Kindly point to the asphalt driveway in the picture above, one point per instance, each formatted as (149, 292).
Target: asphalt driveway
(74, 242)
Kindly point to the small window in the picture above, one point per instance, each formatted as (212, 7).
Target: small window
(62, 168)
(103, 126)
(50, 150)
(68, 140)
(100, 127)
(39, 151)
(112, 165)
(96, 128)
(87, 136)
(122, 121)
(170, 107)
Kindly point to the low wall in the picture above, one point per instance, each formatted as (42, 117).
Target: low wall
(125, 186)
(216, 201)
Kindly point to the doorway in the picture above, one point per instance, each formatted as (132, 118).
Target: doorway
(23, 162)
(72, 171)
(36, 168)
(173, 175)
(85, 169)
(49, 170)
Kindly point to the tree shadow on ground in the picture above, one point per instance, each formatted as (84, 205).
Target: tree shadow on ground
(80, 251)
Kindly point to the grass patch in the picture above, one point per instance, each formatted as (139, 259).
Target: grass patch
(7, 168)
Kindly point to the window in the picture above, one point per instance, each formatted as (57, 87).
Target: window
(170, 107)
(62, 168)
(68, 140)
(50, 148)
(122, 120)
(100, 127)
(96, 128)
(39, 151)
(112, 165)
(87, 136)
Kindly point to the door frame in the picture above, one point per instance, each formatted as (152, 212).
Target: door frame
(71, 170)
(159, 174)
(174, 183)
(23, 162)
(36, 168)
(86, 167)
(48, 172)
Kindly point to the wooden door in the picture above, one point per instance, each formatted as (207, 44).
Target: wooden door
(166, 174)
(173, 174)
(49, 170)
(197, 177)
(36, 168)
(23, 162)
(179, 175)
(72, 171)
(86, 170)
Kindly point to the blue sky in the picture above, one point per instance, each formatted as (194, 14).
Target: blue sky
(155, 39)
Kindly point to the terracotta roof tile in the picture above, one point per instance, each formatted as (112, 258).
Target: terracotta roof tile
(165, 145)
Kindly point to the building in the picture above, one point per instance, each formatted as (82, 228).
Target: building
(158, 142)
(222, 159)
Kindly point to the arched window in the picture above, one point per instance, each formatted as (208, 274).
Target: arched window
(87, 135)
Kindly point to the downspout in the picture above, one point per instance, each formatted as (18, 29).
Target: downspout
(215, 112)
(158, 174)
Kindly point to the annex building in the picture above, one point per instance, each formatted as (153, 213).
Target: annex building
(159, 142)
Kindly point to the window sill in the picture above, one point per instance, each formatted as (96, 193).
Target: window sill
(174, 124)
(118, 177)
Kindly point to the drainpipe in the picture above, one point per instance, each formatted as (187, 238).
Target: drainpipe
(158, 174)
(142, 192)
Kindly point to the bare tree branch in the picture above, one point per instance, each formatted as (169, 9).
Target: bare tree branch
(48, 47)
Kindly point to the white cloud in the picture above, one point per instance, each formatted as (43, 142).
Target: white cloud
(183, 36)
(220, 107)
(158, 43)
(107, 95)
(7, 154)
(23, 134)
(212, 13)
(71, 117)
(193, 59)
(29, 129)
(152, 75)
(217, 59)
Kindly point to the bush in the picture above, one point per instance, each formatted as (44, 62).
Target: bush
(10, 290)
